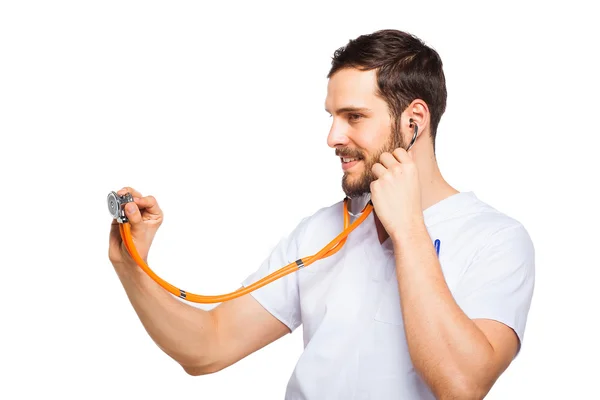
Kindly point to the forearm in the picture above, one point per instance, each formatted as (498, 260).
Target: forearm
(446, 347)
(185, 333)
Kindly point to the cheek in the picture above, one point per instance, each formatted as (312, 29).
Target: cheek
(366, 134)
(374, 139)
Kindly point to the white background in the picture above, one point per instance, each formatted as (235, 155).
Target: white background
(218, 111)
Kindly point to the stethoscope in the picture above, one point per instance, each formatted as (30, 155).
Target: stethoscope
(116, 207)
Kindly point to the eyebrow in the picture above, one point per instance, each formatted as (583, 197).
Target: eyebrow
(350, 109)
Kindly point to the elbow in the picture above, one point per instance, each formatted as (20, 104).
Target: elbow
(196, 371)
(199, 370)
(197, 365)
(464, 388)
(470, 393)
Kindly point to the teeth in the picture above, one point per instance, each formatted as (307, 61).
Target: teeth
(348, 159)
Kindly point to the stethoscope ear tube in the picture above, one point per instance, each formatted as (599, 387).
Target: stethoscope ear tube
(414, 138)
(116, 206)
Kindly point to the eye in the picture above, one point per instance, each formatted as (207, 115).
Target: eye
(353, 117)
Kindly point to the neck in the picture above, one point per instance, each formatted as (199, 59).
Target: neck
(434, 187)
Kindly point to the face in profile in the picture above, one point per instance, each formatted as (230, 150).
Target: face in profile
(362, 127)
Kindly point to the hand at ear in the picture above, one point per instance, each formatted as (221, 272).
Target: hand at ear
(396, 193)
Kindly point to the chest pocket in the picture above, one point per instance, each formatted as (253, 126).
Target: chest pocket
(389, 310)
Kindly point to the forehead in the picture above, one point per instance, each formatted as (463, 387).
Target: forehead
(351, 87)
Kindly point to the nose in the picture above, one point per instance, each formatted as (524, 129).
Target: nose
(337, 136)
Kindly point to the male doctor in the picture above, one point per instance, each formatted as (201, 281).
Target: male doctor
(428, 298)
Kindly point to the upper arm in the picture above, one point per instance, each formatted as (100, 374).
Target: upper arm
(242, 327)
(252, 321)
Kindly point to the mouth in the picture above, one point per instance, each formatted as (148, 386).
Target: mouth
(348, 162)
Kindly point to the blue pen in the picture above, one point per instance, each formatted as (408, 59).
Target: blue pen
(437, 246)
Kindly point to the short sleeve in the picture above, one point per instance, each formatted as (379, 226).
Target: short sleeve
(499, 282)
(280, 297)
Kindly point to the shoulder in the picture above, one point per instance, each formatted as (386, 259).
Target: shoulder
(317, 217)
(318, 228)
(479, 222)
(493, 233)
(496, 225)
(323, 218)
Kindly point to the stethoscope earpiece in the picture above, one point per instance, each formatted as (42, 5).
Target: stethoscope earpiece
(412, 142)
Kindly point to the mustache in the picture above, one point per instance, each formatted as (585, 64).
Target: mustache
(348, 153)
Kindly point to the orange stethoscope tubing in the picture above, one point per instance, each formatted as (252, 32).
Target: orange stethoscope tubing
(331, 248)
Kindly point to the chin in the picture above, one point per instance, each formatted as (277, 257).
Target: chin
(354, 190)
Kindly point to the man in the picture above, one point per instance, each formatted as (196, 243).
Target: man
(428, 297)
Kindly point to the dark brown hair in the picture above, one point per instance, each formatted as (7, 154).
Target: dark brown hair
(407, 69)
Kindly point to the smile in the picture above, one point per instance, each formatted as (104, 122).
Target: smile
(348, 163)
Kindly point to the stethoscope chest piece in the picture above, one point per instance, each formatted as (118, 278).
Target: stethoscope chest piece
(116, 205)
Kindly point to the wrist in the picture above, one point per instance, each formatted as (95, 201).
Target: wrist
(414, 227)
(127, 269)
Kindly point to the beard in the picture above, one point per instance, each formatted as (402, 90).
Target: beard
(355, 185)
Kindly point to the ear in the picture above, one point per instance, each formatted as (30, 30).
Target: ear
(417, 112)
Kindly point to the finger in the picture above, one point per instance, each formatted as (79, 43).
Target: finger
(132, 212)
(131, 190)
(148, 204)
(401, 155)
(378, 170)
(388, 160)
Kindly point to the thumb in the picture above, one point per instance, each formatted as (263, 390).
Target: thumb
(132, 213)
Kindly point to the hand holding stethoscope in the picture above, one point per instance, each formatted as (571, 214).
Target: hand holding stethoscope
(145, 217)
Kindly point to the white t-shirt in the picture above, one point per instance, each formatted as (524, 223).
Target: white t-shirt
(349, 307)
